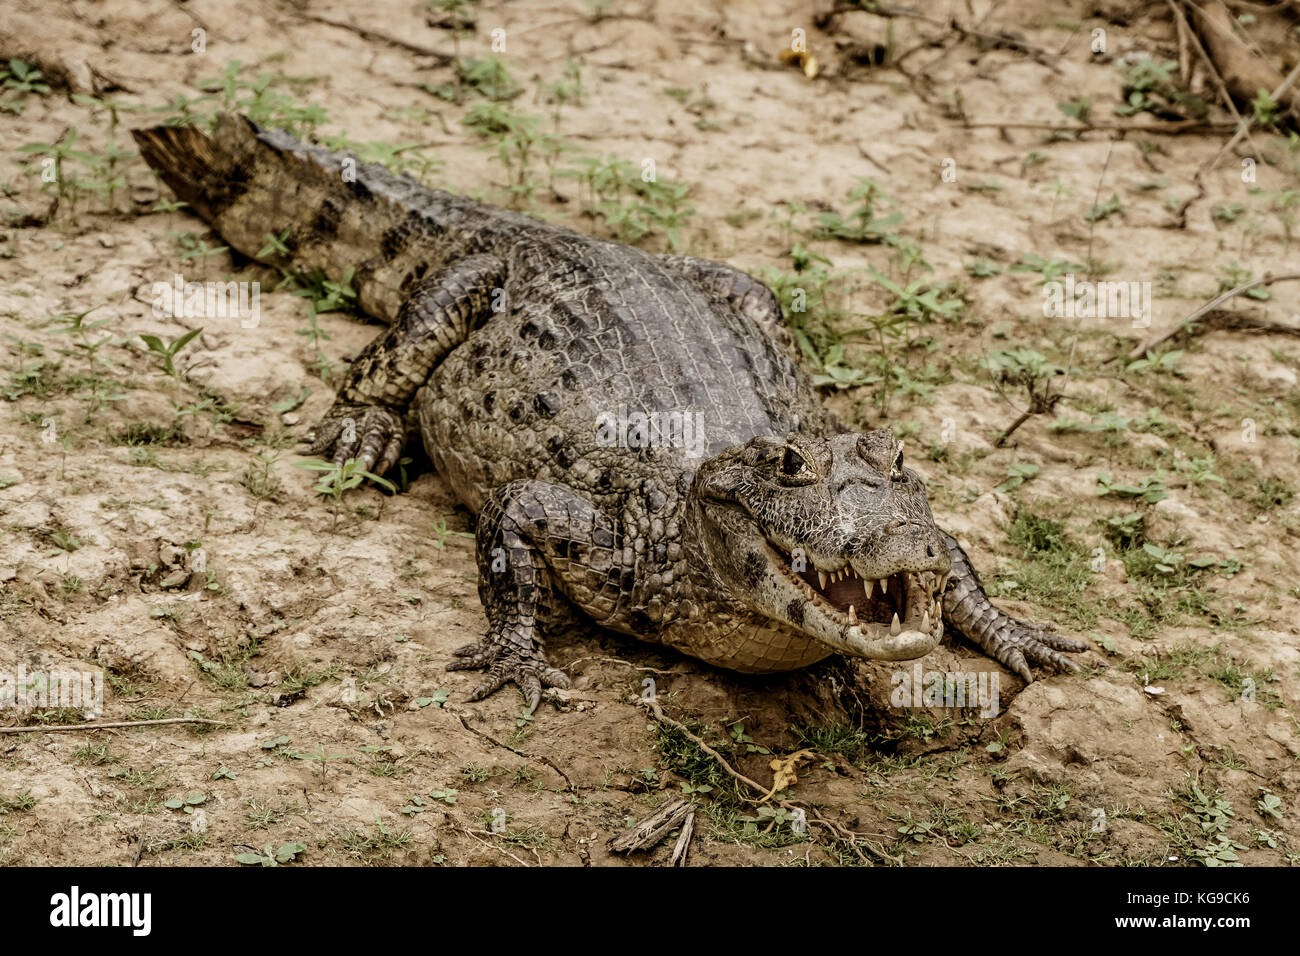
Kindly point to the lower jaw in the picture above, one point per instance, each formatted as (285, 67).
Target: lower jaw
(906, 645)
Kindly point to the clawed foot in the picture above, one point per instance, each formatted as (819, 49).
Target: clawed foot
(505, 661)
(372, 434)
(1024, 643)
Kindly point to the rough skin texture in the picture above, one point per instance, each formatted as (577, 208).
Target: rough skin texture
(633, 430)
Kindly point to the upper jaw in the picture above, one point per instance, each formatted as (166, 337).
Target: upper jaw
(860, 611)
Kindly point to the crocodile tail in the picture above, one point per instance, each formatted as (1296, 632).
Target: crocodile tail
(305, 209)
(187, 160)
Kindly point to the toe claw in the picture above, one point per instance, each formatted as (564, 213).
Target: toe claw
(532, 690)
(554, 677)
(494, 681)
(372, 434)
(392, 451)
(512, 658)
(1016, 661)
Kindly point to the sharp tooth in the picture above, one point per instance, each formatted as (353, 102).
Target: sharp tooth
(925, 621)
(821, 579)
(869, 586)
(850, 572)
(884, 585)
(853, 614)
(894, 626)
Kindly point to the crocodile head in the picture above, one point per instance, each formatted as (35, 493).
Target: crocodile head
(831, 536)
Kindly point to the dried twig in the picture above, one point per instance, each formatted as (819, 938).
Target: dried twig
(542, 758)
(813, 817)
(1139, 350)
(654, 708)
(616, 660)
(497, 847)
(51, 728)
(684, 840)
(1244, 69)
(1187, 33)
(444, 59)
(1184, 59)
(653, 828)
(1173, 127)
(949, 23)
(1243, 129)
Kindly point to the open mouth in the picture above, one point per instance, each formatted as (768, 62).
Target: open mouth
(903, 601)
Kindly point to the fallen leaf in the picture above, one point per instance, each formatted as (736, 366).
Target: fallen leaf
(785, 771)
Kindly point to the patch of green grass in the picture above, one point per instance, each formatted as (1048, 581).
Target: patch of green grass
(298, 678)
(834, 738)
(18, 80)
(262, 816)
(476, 774)
(379, 844)
(55, 715)
(1244, 681)
(1173, 664)
(186, 843)
(227, 667)
(1201, 833)
(148, 433)
(40, 379)
(19, 802)
(261, 97)
(143, 779)
(1051, 570)
(94, 754)
(684, 757)
(635, 202)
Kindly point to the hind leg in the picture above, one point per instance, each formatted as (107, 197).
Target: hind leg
(366, 421)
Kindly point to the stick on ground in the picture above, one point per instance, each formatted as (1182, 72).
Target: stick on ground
(1139, 350)
(51, 728)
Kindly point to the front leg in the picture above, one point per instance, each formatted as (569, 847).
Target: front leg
(539, 545)
(1010, 641)
(367, 419)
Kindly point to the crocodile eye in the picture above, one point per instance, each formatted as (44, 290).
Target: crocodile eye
(896, 469)
(792, 463)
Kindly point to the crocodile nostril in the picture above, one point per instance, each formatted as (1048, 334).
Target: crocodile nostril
(929, 551)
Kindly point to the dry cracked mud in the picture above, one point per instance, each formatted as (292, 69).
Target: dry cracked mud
(153, 524)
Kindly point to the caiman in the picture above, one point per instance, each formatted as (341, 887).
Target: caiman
(633, 430)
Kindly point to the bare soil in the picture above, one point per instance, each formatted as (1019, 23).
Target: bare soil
(317, 635)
